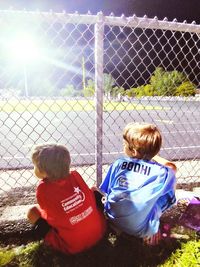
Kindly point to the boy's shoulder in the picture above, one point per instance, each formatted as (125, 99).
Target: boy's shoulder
(128, 163)
(136, 160)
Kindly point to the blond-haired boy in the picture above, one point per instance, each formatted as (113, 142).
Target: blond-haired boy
(66, 216)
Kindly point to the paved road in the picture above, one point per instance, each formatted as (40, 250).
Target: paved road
(178, 121)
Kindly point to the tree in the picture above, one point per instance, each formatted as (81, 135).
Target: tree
(67, 91)
(186, 89)
(89, 89)
(144, 90)
(109, 82)
(117, 90)
(165, 83)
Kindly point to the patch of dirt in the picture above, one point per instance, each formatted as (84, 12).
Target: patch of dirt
(18, 196)
(188, 186)
(15, 233)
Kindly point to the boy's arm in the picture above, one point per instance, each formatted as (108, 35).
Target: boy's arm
(94, 188)
(165, 162)
(99, 197)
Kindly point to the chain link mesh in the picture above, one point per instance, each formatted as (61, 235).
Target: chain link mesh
(44, 100)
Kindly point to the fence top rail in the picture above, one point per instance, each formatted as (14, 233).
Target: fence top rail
(123, 21)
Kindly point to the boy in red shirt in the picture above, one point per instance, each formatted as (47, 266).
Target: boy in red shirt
(66, 216)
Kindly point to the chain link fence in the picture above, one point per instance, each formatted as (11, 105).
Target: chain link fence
(77, 80)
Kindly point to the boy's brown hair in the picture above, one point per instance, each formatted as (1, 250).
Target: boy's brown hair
(142, 140)
(53, 159)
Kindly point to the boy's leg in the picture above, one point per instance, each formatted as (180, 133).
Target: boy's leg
(42, 230)
(153, 240)
(40, 226)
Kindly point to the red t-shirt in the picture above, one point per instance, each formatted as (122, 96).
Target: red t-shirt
(69, 207)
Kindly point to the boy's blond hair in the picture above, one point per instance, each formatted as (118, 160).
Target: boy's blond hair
(142, 140)
(53, 159)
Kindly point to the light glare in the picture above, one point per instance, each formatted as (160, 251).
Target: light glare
(24, 49)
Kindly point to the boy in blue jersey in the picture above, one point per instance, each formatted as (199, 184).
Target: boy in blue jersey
(137, 189)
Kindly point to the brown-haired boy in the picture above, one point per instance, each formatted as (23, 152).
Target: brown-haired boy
(137, 189)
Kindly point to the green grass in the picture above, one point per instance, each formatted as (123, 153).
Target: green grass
(19, 255)
(70, 105)
(6, 256)
(123, 254)
(187, 256)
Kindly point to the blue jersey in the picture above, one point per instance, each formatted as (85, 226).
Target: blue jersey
(137, 193)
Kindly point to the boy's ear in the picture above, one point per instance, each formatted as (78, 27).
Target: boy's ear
(134, 152)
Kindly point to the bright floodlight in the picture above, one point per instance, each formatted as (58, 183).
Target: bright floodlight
(24, 49)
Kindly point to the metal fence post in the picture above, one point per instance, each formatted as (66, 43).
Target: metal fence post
(99, 34)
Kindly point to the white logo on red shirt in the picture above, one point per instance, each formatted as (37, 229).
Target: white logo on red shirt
(81, 216)
(74, 201)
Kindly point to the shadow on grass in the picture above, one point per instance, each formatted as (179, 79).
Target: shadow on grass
(121, 253)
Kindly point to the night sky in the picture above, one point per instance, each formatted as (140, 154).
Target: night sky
(180, 9)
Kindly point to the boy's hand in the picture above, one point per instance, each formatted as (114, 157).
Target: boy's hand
(33, 214)
(165, 162)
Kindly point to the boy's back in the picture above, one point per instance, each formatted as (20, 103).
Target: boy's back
(71, 209)
(66, 215)
(135, 190)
